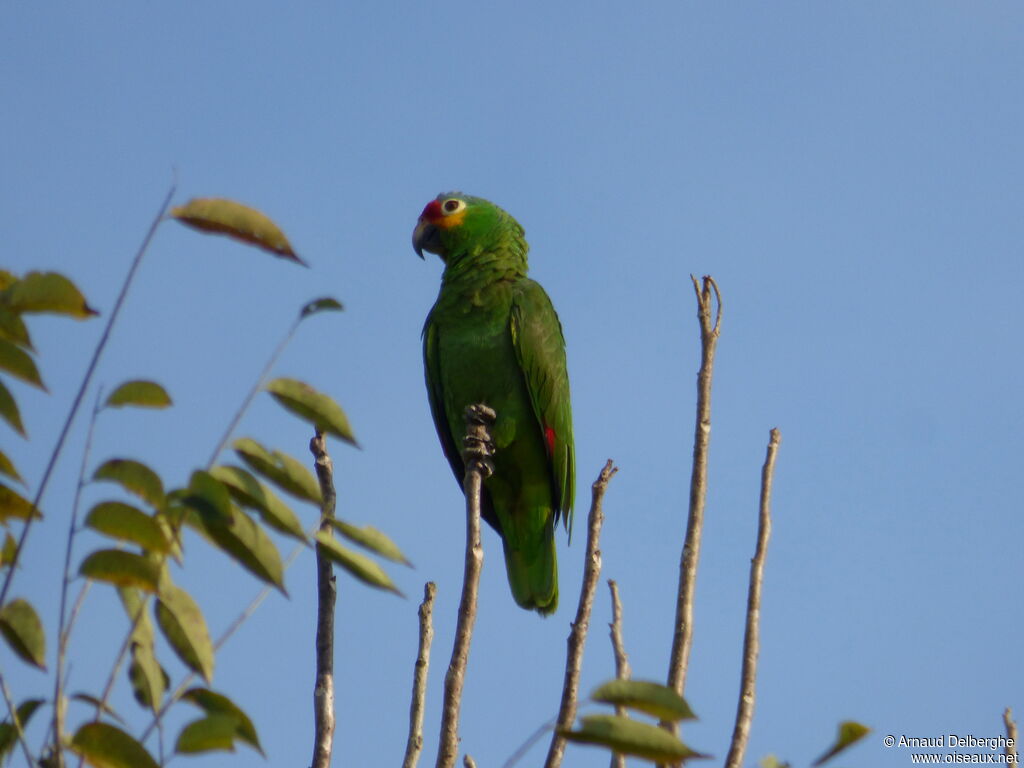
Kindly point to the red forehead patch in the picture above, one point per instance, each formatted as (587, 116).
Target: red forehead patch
(432, 211)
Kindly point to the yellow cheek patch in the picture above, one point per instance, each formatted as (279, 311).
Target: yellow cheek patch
(452, 220)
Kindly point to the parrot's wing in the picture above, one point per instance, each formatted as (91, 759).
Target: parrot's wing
(540, 351)
(435, 393)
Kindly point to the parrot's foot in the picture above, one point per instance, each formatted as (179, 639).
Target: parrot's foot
(477, 444)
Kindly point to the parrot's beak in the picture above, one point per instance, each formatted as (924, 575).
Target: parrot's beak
(424, 237)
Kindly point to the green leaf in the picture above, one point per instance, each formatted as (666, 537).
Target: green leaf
(127, 523)
(182, 623)
(849, 733)
(653, 698)
(9, 730)
(771, 761)
(360, 566)
(7, 551)
(135, 606)
(213, 703)
(213, 732)
(107, 746)
(95, 703)
(209, 497)
(370, 538)
(284, 471)
(325, 304)
(125, 569)
(9, 410)
(140, 393)
(631, 737)
(226, 217)
(46, 292)
(13, 328)
(315, 407)
(250, 492)
(23, 631)
(135, 477)
(7, 468)
(14, 505)
(245, 542)
(19, 363)
(149, 680)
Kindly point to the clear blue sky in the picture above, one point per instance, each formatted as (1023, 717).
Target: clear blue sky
(852, 175)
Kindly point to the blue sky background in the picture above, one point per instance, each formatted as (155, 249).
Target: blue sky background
(850, 173)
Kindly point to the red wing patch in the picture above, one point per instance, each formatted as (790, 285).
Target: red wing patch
(549, 438)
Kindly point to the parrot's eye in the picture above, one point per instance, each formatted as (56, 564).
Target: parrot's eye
(451, 205)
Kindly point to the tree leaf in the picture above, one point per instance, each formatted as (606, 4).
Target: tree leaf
(226, 217)
(48, 292)
(13, 328)
(14, 505)
(135, 477)
(125, 569)
(370, 538)
(209, 497)
(149, 680)
(10, 546)
(284, 471)
(19, 363)
(214, 703)
(9, 410)
(23, 631)
(107, 746)
(7, 468)
(315, 407)
(250, 492)
(631, 737)
(360, 566)
(182, 623)
(127, 523)
(135, 606)
(849, 733)
(246, 543)
(653, 698)
(9, 730)
(140, 393)
(213, 732)
(95, 703)
(325, 304)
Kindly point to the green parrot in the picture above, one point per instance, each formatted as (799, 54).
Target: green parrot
(493, 337)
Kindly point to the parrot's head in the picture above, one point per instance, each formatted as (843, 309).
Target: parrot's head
(454, 224)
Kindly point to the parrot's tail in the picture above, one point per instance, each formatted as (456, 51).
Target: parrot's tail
(533, 571)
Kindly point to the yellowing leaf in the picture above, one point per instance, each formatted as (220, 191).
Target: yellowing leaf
(850, 733)
(107, 746)
(9, 730)
(135, 477)
(631, 737)
(140, 393)
(226, 217)
(125, 522)
(214, 703)
(213, 732)
(653, 698)
(9, 410)
(250, 492)
(245, 542)
(19, 363)
(23, 631)
(149, 680)
(372, 539)
(46, 292)
(315, 407)
(125, 569)
(360, 566)
(182, 623)
(14, 505)
(7, 468)
(12, 328)
(284, 471)
(325, 304)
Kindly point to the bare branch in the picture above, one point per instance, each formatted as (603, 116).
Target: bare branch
(578, 633)
(622, 668)
(751, 638)
(467, 762)
(414, 745)
(476, 455)
(683, 636)
(1010, 750)
(327, 592)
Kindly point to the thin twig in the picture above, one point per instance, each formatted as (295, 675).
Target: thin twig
(1010, 750)
(751, 637)
(63, 623)
(578, 633)
(15, 720)
(683, 635)
(476, 455)
(86, 380)
(327, 592)
(622, 668)
(414, 745)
